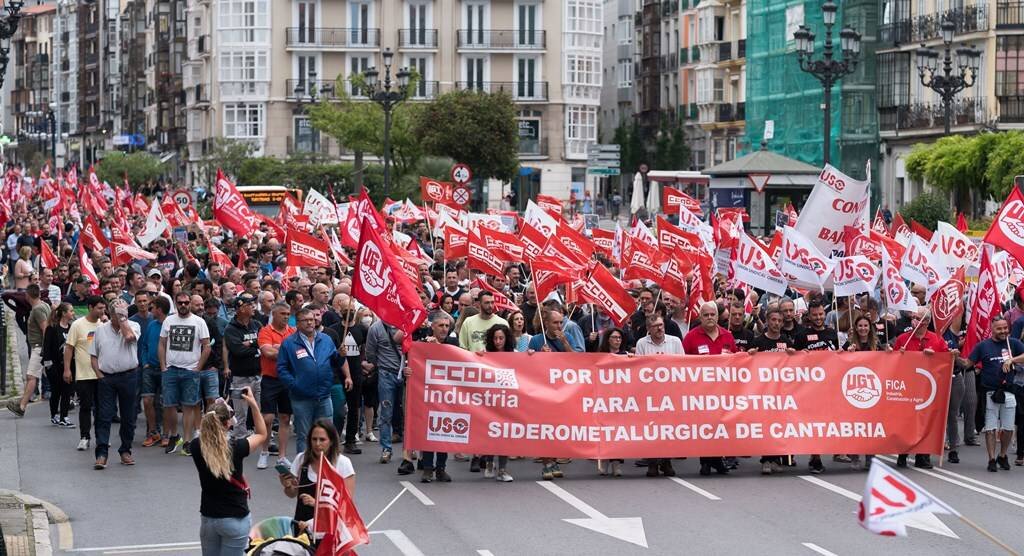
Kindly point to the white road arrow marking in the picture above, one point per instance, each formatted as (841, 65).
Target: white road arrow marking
(923, 521)
(629, 529)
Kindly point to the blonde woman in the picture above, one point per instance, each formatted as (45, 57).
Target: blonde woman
(23, 268)
(224, 503)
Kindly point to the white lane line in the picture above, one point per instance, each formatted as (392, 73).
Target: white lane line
(485, 553)
(695, 488)
(168, 549)
(393, 500)
(417, 493)
(135, 546)
(402, 542)
(959, 483)
(819, 549)
(970, 480)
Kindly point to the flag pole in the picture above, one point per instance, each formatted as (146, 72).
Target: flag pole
(988, 535)
(536, 294)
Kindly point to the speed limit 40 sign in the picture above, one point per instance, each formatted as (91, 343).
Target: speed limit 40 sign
(461, 173)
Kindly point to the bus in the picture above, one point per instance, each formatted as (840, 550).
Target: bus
(265, 199)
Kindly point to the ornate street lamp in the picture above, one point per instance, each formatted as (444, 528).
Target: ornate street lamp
(828, 70)
(387, 95)
(947, 84)
(8, 26)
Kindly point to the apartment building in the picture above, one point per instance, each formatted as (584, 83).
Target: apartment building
(911, 113)
(618, 61)
(253, 64)
(28, 95)
(657, 70)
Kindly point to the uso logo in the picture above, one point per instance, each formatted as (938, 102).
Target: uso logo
(861, 387)
(443, 426)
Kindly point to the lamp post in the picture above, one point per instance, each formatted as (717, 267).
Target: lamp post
(828, 70)
(387, 95)
(8, 26)
(947, 84)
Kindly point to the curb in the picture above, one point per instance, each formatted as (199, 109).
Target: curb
(43, 514)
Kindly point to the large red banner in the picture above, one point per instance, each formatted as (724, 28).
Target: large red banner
(596, 405)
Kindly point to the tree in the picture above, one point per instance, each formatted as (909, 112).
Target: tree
(928, 209)
(139, 167)
(1005, 162)
(475, 128)
(227, 155)
(671, 151)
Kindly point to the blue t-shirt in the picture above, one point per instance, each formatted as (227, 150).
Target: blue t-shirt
(1017, 329)
(991, 355)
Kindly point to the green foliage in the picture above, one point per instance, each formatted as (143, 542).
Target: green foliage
(671, 151)
(140, 167)
(225, 154)
(632, 152)
(1005, 160)
(475, 128)
(928, 209)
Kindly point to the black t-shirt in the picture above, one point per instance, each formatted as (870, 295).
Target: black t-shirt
(825, 339)
(792, 332)
(221, 497)
(764, 343)
(744, 338)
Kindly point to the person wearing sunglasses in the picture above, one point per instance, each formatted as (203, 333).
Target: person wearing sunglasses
(183, 350)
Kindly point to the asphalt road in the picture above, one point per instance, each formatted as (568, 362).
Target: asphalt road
(152, 508)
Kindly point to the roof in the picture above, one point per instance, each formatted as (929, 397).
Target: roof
(761, 161)
(40, 9)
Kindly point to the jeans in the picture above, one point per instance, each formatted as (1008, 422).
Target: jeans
(87, 408)
(390, 390)
(428, 461)
(116, 392)
(241, 406)
(224, 536)
(304, 414)
(956, 396)
(969, 405)
(338, 407)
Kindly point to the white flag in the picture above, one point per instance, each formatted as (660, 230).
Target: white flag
(923, 267)
(836, 201)
(953, 248)
(802, 262)
(320, 209)
(854, 275)
(752, 266)
(894, 289)
(890, 499)
(156, 223)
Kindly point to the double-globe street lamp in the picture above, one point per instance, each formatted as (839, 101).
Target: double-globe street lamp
(387, 95)
(828, 70)
(8, 26)
(947, 84)
(51, 121)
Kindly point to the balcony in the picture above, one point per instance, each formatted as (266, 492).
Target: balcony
(1010, 15)
(417, 38)
(321, 88)
(1011, 109)
(533, 148)
(425, 90)
(501, 39)
(523, 91)
(968, 19)
(920, 115)
(669, 62)
(741, 48)
(726, 113)
(200, 95)
(669, 7)
(724, 51)
(332, 37)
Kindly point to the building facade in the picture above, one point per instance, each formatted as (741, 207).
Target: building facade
(29, 95)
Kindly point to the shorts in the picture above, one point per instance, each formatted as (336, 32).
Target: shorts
(999, 416)
(35, 362)
(209, 384)
(181, 387)
(151, 379)
(274, 399)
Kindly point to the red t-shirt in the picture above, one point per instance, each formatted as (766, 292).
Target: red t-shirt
(930, 340)
(268, 365)
(697, 342)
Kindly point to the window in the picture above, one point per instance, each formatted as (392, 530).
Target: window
(421, 64)
(356, 66)
(242, 21)
(244, 120)
(418, 21)
(359, 23)
(794, 19)
(475, 21)
(580, 129)
(306, 72)
(526, 78)
(894, 79)
(583, 70)
(527, 33)
(583, 24)
(624, 30)
(625, 74)
(307, 21)
(1010, 65)
(245, 71)
(476, 68)
(306, 138)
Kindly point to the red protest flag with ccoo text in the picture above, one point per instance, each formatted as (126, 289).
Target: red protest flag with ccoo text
(230, 208)
(672, 199)
(550, 204)
(379, 283)
(335, 515)
(501, 301)
(504, 246)
(85, 266)
(482, 258)
(1007, 230)
(46, 256)
(456, 243)
(92, 236)
(306, 250)
(604, 290)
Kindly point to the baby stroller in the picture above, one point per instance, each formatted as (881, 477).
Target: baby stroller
(278, 536)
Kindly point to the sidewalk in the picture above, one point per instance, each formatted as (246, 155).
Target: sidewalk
(19, 524)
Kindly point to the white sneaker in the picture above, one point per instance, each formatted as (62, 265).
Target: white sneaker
(284, 461)
(371, 437)
(489, 471)
(503, 476)
(262, 462)
(83, 444)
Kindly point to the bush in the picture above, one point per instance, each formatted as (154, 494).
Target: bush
(928, 209)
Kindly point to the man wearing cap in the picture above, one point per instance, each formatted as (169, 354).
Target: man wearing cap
(79, 293)
(156, 277)
(241, 338)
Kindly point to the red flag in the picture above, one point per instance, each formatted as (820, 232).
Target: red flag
(92, 236)
(574, 241)
(125, 253)
(642, 262)
(856, 243)
(378, 283)
(337, 249)
(272, 227)
(948, 302)
(603, 290)
(483, 259)
(894, 248)
(920, 230)
(435, 191)
(501, 301)
(287, 210)
(897, 224)
(672, 199)
(505, 247)
(961, 223)
(230, 208)
(47, 258)
(85, 266)
(1007, 230)
(791, 212)
(219, 257)
(878, 224)
(985, 305)
(548, 272)
(550, 204)
(335, 514)
(304, 250)
(456, 243)
(140, 205)
(603, 241)
(414, 249)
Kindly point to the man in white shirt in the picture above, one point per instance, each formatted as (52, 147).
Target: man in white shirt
(114, 354)
(183, 350)
(654, 343)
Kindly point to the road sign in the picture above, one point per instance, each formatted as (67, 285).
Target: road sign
(183, 198)
(461, 173)
(461, 194)
(594, 171)
(596, 160)
(596, 147)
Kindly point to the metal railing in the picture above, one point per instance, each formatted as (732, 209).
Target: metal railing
(425, 90)
(417, 38)
(355, 37)
(1011, 109)
(730, 112)
(1010, 15)
(533, 147)
(519, 90)
(512, 39)
(320, 88)
(724, 51)
(927, 115)
(968, 19)
(741, 48)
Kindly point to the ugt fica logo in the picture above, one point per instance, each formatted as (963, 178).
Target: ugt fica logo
(861, 387)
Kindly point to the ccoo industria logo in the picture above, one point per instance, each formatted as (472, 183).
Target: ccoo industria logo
(474, 375)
